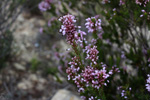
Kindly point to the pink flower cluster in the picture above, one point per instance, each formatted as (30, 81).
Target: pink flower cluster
(45, 5)
(148, 83)
(92, 53)
(68, 28)
(74, 68)
(142, 2)
(94, 77)
(88, 77)
(93, 24)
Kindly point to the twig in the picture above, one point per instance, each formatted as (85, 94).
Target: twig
(8, 91)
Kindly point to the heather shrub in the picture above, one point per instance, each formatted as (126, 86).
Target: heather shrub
(110, 49)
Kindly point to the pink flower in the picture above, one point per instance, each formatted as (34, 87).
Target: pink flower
(123, 55)
(114, 9)
(141, 15)
(41, 30)
(79, 34)
(81, 89)
(143, 11)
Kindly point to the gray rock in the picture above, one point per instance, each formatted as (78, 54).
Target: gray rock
(19, 66)
(65, 95)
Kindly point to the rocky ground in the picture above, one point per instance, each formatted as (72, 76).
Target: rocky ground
(22, 79)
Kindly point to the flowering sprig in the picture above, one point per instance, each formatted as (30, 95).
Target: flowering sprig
(68, 28)
(83, 75)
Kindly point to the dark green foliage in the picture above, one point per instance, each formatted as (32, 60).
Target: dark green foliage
(9, 10)
(5, 47)
(34, 64)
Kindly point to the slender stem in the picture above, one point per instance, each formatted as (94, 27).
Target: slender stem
(74, 46)
(102, 93)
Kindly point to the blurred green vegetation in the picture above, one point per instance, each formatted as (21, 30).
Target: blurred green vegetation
(5, 47)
